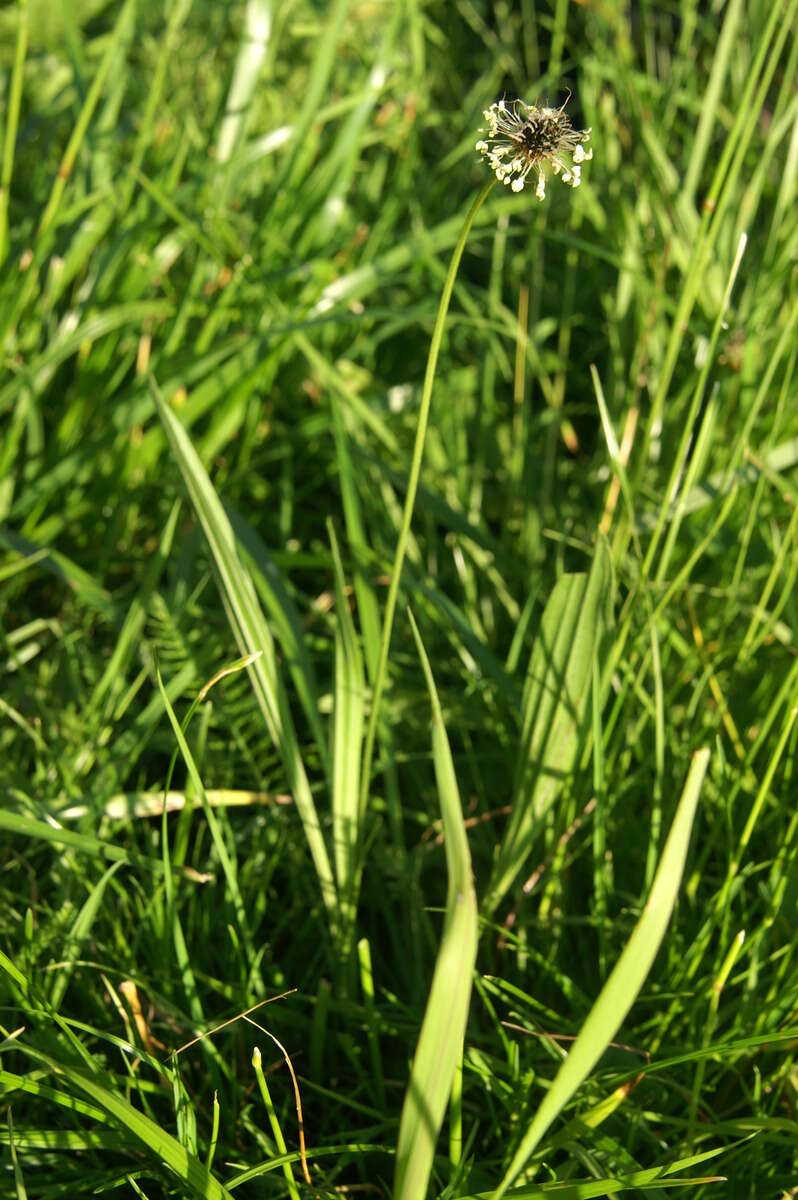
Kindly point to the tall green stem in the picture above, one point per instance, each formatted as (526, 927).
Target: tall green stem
(412, 488)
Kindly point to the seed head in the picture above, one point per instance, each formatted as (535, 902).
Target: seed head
(522, 136)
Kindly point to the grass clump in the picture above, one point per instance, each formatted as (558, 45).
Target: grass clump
(494, 785)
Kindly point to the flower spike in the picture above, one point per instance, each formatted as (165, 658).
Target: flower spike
(522, 137)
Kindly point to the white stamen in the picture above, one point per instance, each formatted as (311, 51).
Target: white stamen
(520, 137)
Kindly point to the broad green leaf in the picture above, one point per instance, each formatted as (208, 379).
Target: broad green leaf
(556, 709)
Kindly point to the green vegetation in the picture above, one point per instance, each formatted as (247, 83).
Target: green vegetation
(529, 919)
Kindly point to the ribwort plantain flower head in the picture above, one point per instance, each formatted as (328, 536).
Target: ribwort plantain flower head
(522, 137)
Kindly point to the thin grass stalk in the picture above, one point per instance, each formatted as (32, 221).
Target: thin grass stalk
(412, 488)
(12, 122)
(709, 1028)
(717, 199)
(686, 438)
(274, 1122)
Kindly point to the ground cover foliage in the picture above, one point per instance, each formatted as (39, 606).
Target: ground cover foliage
(224, 233)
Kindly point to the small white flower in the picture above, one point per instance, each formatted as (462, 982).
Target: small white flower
(522, 137)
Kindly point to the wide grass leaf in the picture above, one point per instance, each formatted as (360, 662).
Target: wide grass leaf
(555, 708)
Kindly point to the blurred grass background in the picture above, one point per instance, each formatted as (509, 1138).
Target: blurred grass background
(255, 205)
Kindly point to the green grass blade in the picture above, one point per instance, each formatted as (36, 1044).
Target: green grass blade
(348, 725)
(657, 1178)
(12, 122)
(164, 1148)
(252, 633)
(555, 707)
(284, 618)
(93, 847)
(627, 978)
(319, 76)
(92, 594)
(80, 930)
(412, 483)
(111, 683)
(251, 55)
(440, 1042)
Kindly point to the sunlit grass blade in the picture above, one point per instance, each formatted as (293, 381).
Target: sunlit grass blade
(281, 612)
(348, 725)
(12, 122)
(440, 1043)
(274, 1121)
(315, 86)
(251, 55)
(84, 843)
(556, 708)
(252, 633)
(626, 979)
(412, 484)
